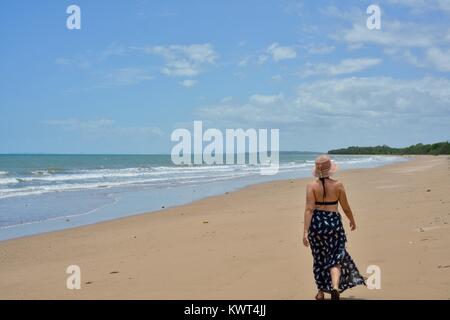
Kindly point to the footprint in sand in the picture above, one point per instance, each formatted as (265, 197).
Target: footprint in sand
(424, 229)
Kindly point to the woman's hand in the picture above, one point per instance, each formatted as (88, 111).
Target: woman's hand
(305, 240)
(352, 225)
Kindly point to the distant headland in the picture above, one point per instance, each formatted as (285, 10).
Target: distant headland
(417, 149)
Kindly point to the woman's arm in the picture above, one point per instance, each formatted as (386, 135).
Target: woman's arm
(309, 207)
(346, 207)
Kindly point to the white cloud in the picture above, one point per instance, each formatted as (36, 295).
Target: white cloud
(411, 58)
(360, 103)
(444, 5)
(433, 58)
(352, 14)
(89, 59)
(266, 99)
(275, 52)
(419, 44)
(123, 77)
(447, 36)
(115, 50)
(244, 62)
(202, 53)
(277, 77)
(185, 61)
(75, 124)
(259, 108)
(392, 34)
(279, 53)
(439, 59)
(319, 49)
(294, 7)
(262, 59)
(180, 68)
(226, 99)
(380, 98)
(421, 6)
(188, 83)
(346, 66)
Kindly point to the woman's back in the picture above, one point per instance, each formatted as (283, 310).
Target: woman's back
(326, 193)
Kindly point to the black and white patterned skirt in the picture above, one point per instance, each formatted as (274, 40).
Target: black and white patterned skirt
(327, 239)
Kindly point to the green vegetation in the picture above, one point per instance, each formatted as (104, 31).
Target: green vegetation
(431, 149)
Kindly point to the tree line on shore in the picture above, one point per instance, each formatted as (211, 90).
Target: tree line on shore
(417, 149)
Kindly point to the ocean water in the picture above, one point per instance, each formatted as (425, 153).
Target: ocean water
(40, 193)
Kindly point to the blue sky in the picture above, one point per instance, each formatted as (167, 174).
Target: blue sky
(137, 70)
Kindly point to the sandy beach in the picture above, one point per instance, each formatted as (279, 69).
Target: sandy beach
(247, 244)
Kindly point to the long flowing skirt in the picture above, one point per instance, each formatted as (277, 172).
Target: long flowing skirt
(327, 239)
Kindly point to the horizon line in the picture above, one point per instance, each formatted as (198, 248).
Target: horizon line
(118, 154)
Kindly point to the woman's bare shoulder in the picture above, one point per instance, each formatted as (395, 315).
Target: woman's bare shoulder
(312, 184)
(338, 184)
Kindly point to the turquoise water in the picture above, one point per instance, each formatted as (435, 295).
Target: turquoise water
(40, 193)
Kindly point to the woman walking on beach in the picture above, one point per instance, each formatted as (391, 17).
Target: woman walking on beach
(334, 269)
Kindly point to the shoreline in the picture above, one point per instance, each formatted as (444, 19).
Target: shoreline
(246, 244)
(143, 201)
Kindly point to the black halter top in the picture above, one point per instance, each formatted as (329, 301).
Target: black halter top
(325, 203)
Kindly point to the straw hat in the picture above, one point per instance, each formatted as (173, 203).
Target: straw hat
(324, 167)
